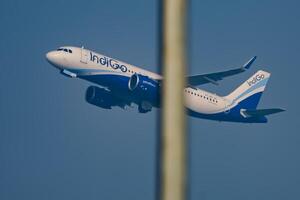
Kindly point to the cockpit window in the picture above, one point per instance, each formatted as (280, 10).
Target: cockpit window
(65, 50)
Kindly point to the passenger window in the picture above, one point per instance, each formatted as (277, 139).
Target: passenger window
(70, 51)
(66, 50)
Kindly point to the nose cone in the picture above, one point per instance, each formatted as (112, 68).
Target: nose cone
(50, 56)
(55, 58)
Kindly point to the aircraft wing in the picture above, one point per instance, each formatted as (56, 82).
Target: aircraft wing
(217, 76)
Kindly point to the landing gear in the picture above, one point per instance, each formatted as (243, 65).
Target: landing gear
(144, 107)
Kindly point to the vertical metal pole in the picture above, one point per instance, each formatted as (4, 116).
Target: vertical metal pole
(173, 139)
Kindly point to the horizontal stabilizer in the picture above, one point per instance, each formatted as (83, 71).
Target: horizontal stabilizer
(260, 112)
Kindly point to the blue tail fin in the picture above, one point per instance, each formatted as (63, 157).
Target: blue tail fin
(248, 94)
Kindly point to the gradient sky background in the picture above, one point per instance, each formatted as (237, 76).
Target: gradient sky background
(53, 145)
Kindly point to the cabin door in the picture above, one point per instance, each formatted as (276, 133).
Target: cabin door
(84, 56)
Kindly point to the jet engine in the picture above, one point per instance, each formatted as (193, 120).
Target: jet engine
(146, 90)
(102, 98)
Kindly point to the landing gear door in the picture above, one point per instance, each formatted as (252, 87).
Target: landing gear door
(84, 56)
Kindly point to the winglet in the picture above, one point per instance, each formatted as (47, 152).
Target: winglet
(248, 64)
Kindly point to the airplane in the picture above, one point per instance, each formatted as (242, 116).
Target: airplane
(121, 85)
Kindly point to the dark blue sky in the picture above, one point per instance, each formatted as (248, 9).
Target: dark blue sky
(53, 145)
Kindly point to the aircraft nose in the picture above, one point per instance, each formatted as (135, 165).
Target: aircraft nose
(51, 56)
(54, 58)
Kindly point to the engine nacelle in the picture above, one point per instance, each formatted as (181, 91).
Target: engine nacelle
(102, 98)
(146, 88)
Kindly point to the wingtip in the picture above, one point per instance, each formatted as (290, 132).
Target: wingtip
(248, 64)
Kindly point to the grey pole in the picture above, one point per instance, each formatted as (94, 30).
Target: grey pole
(173, 139)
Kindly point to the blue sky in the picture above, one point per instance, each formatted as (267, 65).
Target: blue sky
(53, 145)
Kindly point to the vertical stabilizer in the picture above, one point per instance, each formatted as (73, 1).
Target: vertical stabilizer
(249, 93)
